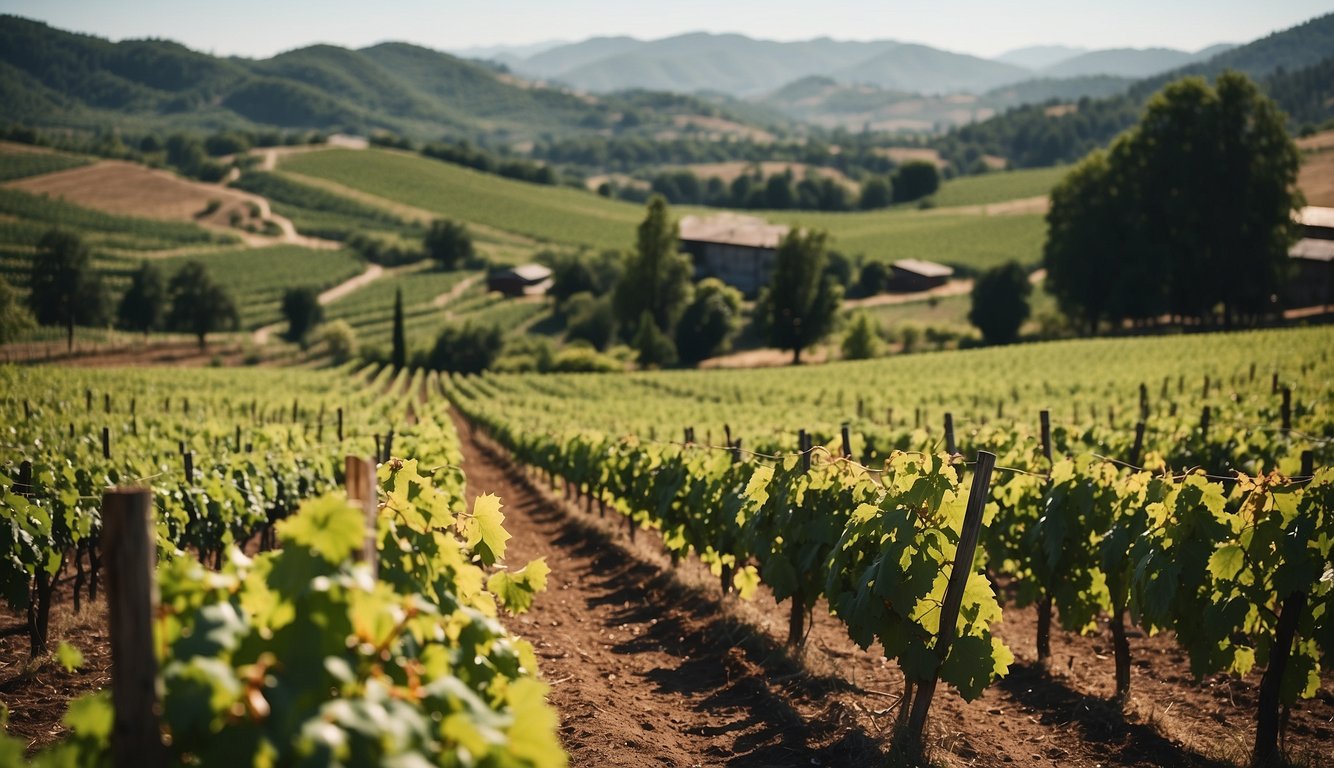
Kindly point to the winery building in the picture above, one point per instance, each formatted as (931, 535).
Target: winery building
(1312, 275)
(523, 280)
(918, 275)
(737, 249)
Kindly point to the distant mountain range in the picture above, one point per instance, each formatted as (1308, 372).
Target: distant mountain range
(50, 77)
(684, 86)
(746, 67)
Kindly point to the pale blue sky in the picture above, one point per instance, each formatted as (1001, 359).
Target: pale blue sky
(260, 28)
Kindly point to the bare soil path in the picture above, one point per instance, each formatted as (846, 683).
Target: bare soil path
(645, 669)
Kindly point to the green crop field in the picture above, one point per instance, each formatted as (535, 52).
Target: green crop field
(971, 241)
(320, 212)
(20, 165)
(572, 217)
(370, 311)
(257, 277)
(998, 187)
(25, 217)
(1077, 380)
(549, 214)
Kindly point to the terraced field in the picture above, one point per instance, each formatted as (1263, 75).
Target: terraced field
(571, 217)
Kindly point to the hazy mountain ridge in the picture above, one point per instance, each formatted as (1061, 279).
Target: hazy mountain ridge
(1293, 66)
(750, 67)
(51, 77)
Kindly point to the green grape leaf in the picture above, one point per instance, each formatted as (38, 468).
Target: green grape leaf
(969, 667)
(1226, 562)
(515, 590)
(484, 530)
(532, 736)
(70, 658)
(329, 526)
(746, 581)
(91, 716)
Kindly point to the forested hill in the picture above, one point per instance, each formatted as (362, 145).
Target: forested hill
(50, 77)
(1293, 66)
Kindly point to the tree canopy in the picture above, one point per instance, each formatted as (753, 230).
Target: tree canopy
(143, 303)
(708, 323)
(1188, 214)
(448, 243)
(657, 276)
(65, 288)
(199, 305)
(301, 307)
(800, 306)
(1000, 303)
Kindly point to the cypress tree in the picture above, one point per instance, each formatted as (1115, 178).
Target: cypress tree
(399, 357)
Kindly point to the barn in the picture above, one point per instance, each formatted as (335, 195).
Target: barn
(1312, 257)
(523, 280)
(737, 249)
(918, 275)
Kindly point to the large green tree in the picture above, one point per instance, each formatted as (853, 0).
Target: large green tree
(199, 305)
(709, 321)
(800, 306)
(143, 303)
(301, 307)
(448, 243)
(1190, 213)
(1000, 303)
(657, 275)
(65, 288)
(914, 180)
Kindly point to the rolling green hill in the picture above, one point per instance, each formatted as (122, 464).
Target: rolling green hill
(570, 217)
(548, 214)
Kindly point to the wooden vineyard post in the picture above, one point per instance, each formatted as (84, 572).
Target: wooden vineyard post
(129, 552)
(1143, 402)
(189, 457)
(1204, 424)
(340, 425)
(1044, 604)
(106, 443)
(949, 434)
(949, 607)
(1308, 464)
(847, 441)
(1287, 406)
(1138, 450)
(359, 479)
(796, 629)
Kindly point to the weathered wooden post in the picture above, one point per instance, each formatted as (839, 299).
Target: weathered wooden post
(359, 480)
(129, 552)
(949, 607)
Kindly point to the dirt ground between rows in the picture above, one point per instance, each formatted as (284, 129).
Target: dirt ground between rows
(649, 666)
